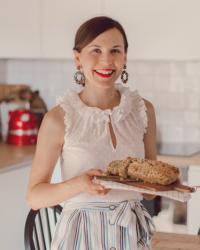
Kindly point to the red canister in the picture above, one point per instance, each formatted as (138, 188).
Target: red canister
(22, 128)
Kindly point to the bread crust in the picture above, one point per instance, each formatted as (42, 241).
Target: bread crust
(150, 171)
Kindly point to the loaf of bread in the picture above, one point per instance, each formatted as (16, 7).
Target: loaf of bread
(150, 171)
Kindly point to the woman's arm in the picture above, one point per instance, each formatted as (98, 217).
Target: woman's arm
(150, 135)
(49, 145)
(150, 138)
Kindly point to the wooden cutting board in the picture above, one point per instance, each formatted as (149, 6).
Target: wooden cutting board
(153, 187)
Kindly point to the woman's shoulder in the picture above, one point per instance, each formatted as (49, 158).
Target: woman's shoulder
(149, 105)
(56, 113)
(142, 105)
(53, 120)
(149, 110)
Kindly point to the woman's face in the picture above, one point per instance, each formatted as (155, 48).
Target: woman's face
(103, 59)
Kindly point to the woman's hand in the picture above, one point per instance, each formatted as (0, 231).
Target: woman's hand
(149, 196)
(86, 184)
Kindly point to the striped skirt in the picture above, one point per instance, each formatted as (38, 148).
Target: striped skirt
(123, 225)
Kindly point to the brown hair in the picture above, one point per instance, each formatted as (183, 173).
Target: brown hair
(90, 29)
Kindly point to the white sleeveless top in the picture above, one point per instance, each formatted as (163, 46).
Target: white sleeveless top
(87, 141)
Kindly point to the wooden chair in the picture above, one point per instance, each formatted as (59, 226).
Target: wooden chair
(39, 227)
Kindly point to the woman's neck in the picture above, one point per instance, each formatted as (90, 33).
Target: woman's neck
(99, 97)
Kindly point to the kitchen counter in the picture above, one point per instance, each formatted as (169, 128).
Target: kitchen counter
(12, 156)
(179, 154)
(17, 156)
(171, 241)
(181, 161)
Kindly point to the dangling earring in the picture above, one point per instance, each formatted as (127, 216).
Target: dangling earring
(124, 75)
(79, 77)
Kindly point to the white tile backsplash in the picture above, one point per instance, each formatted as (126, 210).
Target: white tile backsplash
(161, 68)
(192, 84)
(141, 68)
(193, 68)
(192, 102)
(169, 101)
(144, 82)
(192, 118)
(171, 133)
(169, 117)
(173, 88)
(3, 71)
(191, 134)
(177, 84)
(177, 68)
(161, 84)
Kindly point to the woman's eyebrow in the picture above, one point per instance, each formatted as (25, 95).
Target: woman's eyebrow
(116, 46)
(98, 46)
(95, 45)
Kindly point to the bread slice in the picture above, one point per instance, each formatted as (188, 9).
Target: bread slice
(150, 171)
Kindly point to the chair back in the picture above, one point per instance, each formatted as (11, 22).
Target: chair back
(39, 227)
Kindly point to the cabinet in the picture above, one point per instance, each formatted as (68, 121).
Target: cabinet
(159, 29)
(60, 20)
(19, 29)
(156, 29)
(13, 188)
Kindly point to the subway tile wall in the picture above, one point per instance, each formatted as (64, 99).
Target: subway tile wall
(172, 87)
(3, 71)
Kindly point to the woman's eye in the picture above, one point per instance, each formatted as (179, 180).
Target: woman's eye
(115, 51)
(97, 50)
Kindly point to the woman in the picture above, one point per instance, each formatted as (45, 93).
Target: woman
(102, 123)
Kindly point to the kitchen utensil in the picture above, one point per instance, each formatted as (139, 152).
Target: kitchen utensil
(22, 127)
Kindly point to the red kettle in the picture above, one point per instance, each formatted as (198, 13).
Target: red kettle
(22, 127)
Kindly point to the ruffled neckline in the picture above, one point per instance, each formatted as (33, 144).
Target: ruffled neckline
(119, 112)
